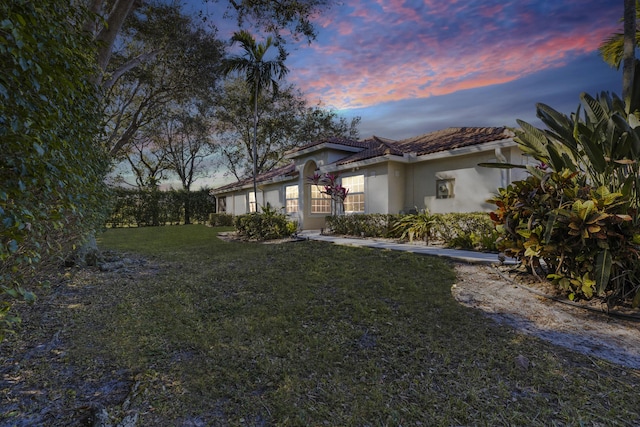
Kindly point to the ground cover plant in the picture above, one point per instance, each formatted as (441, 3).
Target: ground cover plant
(183, 329)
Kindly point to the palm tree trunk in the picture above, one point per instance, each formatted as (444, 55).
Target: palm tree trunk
(255, 144)
(628, 64)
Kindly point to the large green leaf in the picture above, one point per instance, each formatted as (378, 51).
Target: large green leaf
(592, 108)
(603, 270)
(559, 123)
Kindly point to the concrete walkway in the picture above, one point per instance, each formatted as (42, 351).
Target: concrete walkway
(455, 254)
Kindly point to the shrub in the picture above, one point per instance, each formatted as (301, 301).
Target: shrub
(416, 225)
(364, 225)
(220, 220)
(266, 225)
(152, 207)
(579, 210)
(473, 230)
(579, 236)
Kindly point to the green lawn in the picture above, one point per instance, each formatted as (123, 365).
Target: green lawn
(313, 334)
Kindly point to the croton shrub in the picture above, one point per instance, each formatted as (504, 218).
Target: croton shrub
(581, 237)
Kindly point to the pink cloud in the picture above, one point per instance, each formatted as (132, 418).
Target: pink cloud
(373, 57)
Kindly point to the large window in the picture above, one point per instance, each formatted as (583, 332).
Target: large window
(222, 204)
(291, 196)
(320, 202)
(252, 202)
(354, 203)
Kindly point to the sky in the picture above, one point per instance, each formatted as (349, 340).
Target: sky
(409, 67)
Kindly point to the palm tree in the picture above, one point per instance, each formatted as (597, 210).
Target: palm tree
(620, 48)
(261, 75)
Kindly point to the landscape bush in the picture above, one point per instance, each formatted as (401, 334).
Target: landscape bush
(269, 224)
(221, 220)
(152, 207)
(461, 230)
(576, 217)
(364, 225)
(473, 230)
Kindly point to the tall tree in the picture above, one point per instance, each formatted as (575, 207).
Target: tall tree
(261, 74)
(620, 49)
(184, 65)
(186, 138)
(285, 122)
(148, 161)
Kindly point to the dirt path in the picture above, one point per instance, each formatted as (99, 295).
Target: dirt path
(507, 302)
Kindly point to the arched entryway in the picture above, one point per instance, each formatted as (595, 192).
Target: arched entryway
(309, 221)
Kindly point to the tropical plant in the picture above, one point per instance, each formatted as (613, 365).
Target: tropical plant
(601, 140)
(620, 48)
(579, 236)
(612, 49)
(260, 74)
(328, 184)
(415, 226)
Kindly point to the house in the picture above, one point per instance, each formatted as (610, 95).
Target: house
(438, 171)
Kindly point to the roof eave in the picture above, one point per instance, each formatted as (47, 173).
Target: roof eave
(323, 146)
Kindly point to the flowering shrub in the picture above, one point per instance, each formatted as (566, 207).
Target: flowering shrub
(330, 187)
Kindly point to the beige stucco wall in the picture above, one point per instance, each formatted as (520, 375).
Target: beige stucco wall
(473, 184)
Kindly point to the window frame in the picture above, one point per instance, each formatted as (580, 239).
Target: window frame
(361, 203)
(292, 204)
(318, 199)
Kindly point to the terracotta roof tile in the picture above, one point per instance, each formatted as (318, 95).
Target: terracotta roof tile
(442, 140)
(284, 171)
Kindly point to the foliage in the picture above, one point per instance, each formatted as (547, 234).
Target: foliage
(166, 62)
(266, 225)
(603, 144)
(580, 236)
(578, 212)
(221, 220)
(363, 225)
(329, 185)
(261, 76)
(415, 226)
(152, 207)
(51, 172)
(461, 230)
(612, 48)
(472, 230)
(286, 121)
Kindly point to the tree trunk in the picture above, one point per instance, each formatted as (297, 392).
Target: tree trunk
(255, 145)
(628, 64)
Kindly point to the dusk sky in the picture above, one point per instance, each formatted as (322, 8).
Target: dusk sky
(412, 67)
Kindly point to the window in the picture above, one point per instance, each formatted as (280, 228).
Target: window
(252, 201)
(355, 199)
(222, 204)
(320, 202)
(291, 196)
(444, 188)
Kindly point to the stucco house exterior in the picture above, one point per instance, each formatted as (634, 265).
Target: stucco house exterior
(438, 171)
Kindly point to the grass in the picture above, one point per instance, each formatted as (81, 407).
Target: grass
(309, 334)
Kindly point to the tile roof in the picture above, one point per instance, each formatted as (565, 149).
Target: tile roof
(284, 171)
(434, 142)
(335, 140)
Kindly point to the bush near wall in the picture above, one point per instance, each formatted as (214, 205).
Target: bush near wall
(364, 225)
(266, 225)
(141, 208)
(460, 230)
(221, 220)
